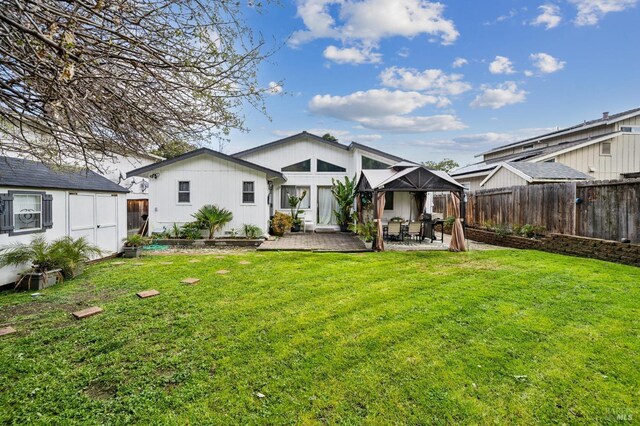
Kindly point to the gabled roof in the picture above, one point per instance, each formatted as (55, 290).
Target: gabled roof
(603, 121)
(410, 179)
(316, 138)
(534, 155)
(271, 174)
(540, 172)
(21, 173)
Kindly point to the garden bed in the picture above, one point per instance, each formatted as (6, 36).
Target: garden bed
(217, 242)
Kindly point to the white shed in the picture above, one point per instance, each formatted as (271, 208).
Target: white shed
(37, 199)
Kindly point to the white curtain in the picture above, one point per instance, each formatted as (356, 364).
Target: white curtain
(326, 205)
(429, 206)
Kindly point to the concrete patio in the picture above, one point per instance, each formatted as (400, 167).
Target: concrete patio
(311, 241)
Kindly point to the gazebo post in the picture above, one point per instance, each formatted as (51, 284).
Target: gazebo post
(463, 213)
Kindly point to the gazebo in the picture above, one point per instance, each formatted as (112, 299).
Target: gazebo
(417, 179)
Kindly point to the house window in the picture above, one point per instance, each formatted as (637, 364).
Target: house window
(605, 148)
(550, 160)
(287, 190)
(371, 164)
(388, 200)
(630, 129)
(303, 166)
(184, 192)
(27, 212)
(323, 166)
(248, 193)
(527, 147)
(23, 212)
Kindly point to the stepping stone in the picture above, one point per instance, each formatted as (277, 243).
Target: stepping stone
(138, 264)
(118, 263)
(194, 261)
(244, 262)
(222, 271)
(219, 257)
(7, 330)
(166, 263)
(191, 281)
(147, 293)
(94, 310)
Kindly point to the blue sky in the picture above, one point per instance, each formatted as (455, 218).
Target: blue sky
(427, 80)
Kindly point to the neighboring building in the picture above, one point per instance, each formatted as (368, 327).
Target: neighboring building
(516, 174)
(37, 199)
(255, 183)
(603, 149)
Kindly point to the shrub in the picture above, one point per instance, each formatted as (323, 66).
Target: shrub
(367, 230)
(281, 222)
(72, 254)
(251, 231)
(135, 240)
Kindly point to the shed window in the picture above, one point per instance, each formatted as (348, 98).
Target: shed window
(371, 164)
(605, 148)
(287, 190)
(248, 192)
(323, 166)
(25, 212)
(184, 192)
(388, 200)
(303, 166)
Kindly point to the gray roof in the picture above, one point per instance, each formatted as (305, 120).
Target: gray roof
(609, 119)
(316, 138)
(17, 172)
(528, 155)
(549, 171)
(206, 151)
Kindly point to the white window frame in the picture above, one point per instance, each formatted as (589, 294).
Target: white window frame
(307, 199)
(178, 192)
(15, 214)
(248, 203)
(630, 129)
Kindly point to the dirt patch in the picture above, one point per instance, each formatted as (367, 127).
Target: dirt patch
(100, 391)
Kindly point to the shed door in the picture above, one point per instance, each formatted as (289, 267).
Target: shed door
(95, 217)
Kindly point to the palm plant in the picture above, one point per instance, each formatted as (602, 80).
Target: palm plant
(41, 254)
(212, 218)
(72, 254)
(345, 194)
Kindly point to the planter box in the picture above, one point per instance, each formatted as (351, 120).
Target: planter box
(217, 242)
(38, 281)
(175, 242)
(131, 252)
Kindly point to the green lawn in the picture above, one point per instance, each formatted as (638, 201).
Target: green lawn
(483, 337)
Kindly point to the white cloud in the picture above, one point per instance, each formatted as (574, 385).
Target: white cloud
(369, 21)
(501, 65)
(459, 62)
(432, 81)
(372, 103)
(591, 11)
(549, 16)
(528, 73)
(419, 124)
(274, 88)
(404, 52)
(385, 110)
(546, 63)
(343, 136)
(351, 55)
(499, 96)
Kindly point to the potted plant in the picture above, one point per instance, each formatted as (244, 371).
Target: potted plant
(133, 245)
(212, 218)
(73, 254)
(294, 204)
(43, 257)
(280, 222)
(344, 193)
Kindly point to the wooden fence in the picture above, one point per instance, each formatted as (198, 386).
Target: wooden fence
(135, 210)
(609, 210)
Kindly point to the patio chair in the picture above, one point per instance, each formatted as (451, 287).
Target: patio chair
(394, 230)
(307, 222)
(414, 230)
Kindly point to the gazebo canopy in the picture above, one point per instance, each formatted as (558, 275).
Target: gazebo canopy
(407, 178)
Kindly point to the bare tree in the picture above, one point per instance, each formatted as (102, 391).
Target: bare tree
(85, 78)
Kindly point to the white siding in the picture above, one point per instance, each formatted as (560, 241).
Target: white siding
(504, 178)
(61, 225)
(213, 181)
(115, 169)
(624, 158)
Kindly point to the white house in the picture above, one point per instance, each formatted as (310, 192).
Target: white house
(37, 199)
(253, 184)
(605, 148)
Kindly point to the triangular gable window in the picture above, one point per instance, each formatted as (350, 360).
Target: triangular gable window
(303, 166)
(371, 164)
(323, 166)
